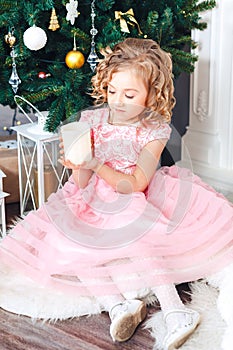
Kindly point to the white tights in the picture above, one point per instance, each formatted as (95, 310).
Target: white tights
(109, 301)
(167, 295)
(169, 299)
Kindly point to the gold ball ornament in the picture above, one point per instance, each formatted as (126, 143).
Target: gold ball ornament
(74, 59)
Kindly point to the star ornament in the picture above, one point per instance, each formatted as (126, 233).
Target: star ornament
(72, 11)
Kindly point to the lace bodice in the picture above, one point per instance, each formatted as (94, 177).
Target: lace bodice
(120, 145)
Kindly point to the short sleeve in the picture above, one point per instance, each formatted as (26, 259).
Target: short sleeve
(87, 116)
(163, 131)
(94, 116)
(154, 132)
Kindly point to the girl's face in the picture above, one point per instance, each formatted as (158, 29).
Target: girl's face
(127, 95)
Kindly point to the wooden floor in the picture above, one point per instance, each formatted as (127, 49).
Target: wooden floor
(84, 333)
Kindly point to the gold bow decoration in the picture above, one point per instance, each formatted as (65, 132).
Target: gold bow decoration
(125, 19)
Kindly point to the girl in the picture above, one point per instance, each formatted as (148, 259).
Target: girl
(119, 224)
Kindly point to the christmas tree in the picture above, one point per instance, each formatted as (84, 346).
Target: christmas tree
(49, 49)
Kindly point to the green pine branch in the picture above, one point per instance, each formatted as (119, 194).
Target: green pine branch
(65, 91)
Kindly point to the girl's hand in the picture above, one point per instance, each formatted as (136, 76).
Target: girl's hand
(93, 164)
(68, 164)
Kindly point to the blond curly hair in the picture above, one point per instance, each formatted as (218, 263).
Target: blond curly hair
(147, 60)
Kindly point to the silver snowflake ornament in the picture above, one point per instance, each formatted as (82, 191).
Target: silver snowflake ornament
(72, 11)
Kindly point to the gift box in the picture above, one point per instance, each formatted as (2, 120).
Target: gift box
(9, 165)
(50, 181)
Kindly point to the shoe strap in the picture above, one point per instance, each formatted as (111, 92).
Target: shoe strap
(111, 313)
(123, 307)
(181, 311)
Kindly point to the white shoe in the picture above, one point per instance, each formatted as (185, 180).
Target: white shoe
(174, 339)
(125, 318)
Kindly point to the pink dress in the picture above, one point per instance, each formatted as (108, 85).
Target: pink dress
(96, 242)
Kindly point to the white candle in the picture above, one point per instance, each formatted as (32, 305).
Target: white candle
(77, 142)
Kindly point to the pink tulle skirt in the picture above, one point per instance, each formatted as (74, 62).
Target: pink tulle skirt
(96, 242)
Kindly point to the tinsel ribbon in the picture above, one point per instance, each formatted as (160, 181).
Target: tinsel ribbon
(131, 20)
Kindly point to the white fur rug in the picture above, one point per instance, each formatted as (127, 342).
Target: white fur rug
(208, 335)
(22, 296)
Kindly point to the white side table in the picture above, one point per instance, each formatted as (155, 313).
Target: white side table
(37, 152)
(3, 195)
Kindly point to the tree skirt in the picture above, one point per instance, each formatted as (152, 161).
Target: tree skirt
(209, 333)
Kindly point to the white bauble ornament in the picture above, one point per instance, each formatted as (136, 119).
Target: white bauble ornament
(34, 38)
